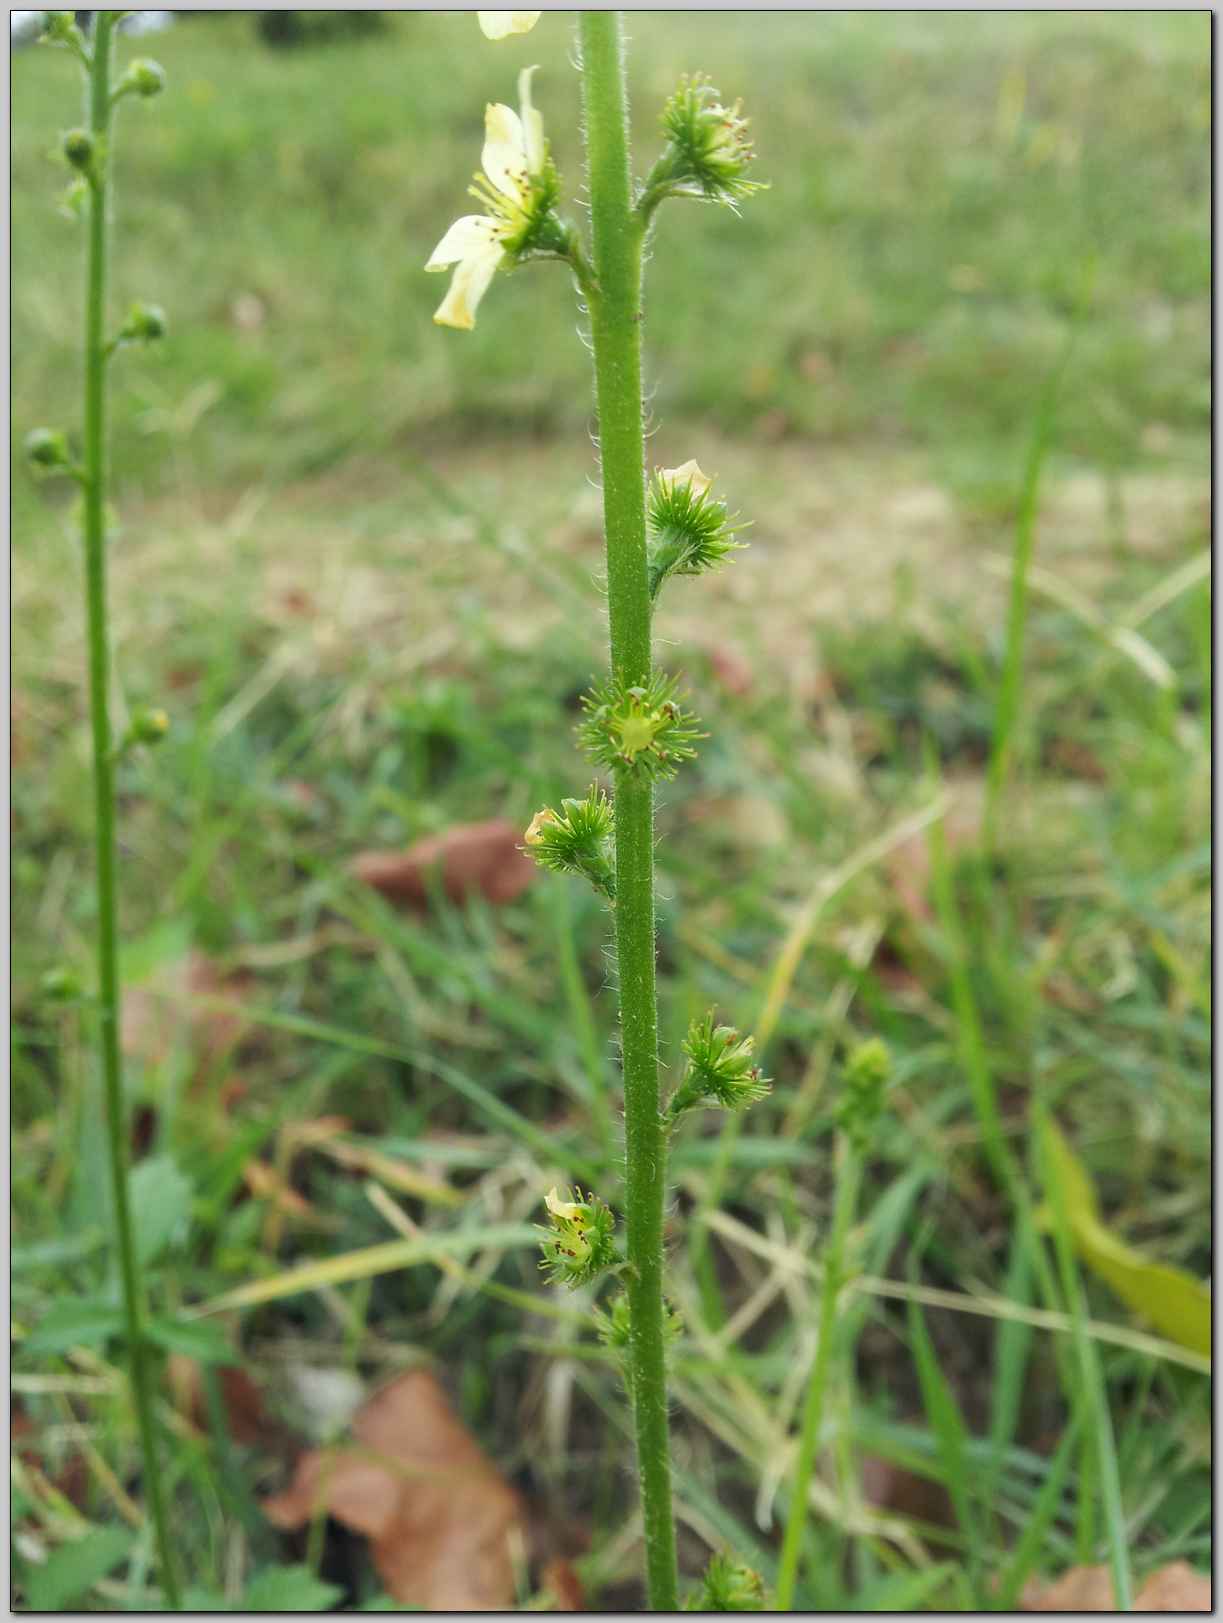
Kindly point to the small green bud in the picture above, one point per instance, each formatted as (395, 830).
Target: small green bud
(61, 985)
(73, 198)
(147, 727)
(728, 1586)
(689, 530)
(721, 1072)
(47, 448)
(638, 730)
(79, 147)
(60, 28)
(576, 840)
(867, 1070)
(144, 324)
(145, 77)
(580, 1245)
(615, 1327)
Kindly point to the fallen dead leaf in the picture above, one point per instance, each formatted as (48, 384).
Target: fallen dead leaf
(444, 1526)
(891, 1487)
(473, 858)
(245, 1413)
(1174, 1588)
(172, 1006)
(266, 1183)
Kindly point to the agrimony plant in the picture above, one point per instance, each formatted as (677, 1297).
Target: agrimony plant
(88, 152)
(635, 726)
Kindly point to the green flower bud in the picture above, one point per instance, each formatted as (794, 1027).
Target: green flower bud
(576, 840)
(59, 27)
(144, 76)
(728, 1586)
(47, 448)
(721, 1072)
(615, 1326)
(79, 147)
(689, 530)
(147, 727)
(61, 984)
(708, 150)
(145, 322)
(867, 1071)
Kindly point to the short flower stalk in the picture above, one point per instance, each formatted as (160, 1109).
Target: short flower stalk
(635, 726)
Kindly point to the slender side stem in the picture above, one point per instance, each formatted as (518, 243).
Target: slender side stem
(616, 330)
(813, 1410)
(104, 788)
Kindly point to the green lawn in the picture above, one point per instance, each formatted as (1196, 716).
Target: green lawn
(358, 565)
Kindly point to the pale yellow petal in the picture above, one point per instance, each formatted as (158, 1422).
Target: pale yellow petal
(546, 818)
(505, 153)
(467, 236)
(501, 24)
(467, 288)
(564, 1209)
(532, 122)
(688, 473)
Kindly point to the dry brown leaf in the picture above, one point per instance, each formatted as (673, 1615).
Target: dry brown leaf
(172, 1006)
(1082, 1589)
(562, 1583)
(1174, 1588)
(245, 1414)
(472, 858)
(266, 1183)
(444, 1526)
(891, 1487)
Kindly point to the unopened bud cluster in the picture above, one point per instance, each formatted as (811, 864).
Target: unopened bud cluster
(579, 1244)
(577, 839)
(721, 1072)
(867, 1071)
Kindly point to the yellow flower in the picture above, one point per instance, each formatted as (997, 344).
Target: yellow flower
(513, 155)
(500, 24)
(686, 474)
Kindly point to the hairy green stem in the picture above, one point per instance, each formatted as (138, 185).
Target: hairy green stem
(615, 313)
(142, 1375)
(848, 1177)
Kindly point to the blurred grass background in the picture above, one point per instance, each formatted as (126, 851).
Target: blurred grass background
(357, 564)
